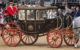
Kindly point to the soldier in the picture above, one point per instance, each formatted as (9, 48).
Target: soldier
(10, 12)
(76, 12)
(15, 8)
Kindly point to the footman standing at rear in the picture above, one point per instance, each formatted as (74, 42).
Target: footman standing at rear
(10, 12)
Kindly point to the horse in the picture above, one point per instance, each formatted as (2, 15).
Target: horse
(76, 28)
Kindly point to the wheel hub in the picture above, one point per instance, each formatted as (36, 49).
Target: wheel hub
(70, 37)
(11, 32)
(54, 38)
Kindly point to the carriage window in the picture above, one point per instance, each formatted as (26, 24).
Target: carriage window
(31, 15)
(40, 14)
(36, 14)
(21, 14)
(52, 13)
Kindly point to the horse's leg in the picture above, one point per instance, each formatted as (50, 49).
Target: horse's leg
(76, 36)
(76, 32)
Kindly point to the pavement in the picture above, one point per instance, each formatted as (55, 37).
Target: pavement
(41, 44)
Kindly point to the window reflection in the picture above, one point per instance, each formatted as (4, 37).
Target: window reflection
(21, 14)
(37, 14)
(30, 15)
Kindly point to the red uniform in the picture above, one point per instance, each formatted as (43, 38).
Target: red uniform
(15, 10)
(10, 11)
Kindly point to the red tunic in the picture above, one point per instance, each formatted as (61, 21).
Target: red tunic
(10, 11)
(15, 10)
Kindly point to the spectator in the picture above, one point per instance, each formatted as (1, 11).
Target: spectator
(36, 4)
(1, 17)
(76, 12)
(59, 13)
(65, 11)
(19, 4)
(73, 8)
(25, 5)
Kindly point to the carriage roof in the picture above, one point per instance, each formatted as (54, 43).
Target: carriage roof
(36, 8)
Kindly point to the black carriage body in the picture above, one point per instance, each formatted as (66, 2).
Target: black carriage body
(36, 26)
(32, 26)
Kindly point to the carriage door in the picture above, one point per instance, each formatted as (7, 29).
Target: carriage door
(31, 21)
(35, 21)
(40, 15)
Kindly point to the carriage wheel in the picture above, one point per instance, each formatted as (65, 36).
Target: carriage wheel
(54, 39)
(29, 39)
(69, 38)
(11, 34)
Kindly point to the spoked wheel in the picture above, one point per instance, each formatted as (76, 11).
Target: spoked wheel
(11, 34)
(69, 38)
(54, 39)
(29, 39)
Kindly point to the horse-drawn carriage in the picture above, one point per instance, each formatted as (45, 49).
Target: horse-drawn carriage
(32, 23)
